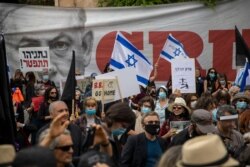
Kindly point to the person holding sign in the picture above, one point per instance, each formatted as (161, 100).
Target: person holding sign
(178, 119)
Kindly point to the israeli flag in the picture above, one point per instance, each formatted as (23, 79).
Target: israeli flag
(172, 49)
(239, 76)
(125, 54)
(246, 77)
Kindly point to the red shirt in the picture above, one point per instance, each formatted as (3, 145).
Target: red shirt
(37, 102)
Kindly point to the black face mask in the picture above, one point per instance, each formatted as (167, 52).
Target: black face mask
(152, 129)
(52, 98)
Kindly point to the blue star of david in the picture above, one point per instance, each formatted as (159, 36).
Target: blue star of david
(131, 61)
(177, 52)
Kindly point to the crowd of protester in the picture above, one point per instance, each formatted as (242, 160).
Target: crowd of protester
(159, 127)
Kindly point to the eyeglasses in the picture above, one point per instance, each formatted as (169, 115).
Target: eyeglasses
(212, 72)
(177, 108)
(65, 148)
(52, 92)
(152, 122)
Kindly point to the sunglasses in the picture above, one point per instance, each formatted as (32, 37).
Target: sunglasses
(65, 148)
(177, 108)
(153, 122)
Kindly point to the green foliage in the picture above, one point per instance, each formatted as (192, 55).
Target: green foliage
(38, 2)
(118, 3)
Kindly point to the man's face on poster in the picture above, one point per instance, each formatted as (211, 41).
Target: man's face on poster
(61, 31)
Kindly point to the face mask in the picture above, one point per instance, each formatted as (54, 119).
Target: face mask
(241, 105)
(152, 93)
(45, 78)
(118, 131)
(214, 113)
(145, 110)
(90, 112)
(42, 92)
(212, 75)
(223, 82)
(193, 104)
(52, 98)
(152, 129)
(162, 95)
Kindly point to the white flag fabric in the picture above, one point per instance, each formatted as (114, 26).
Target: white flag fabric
(125, 54)
(239, 76)
(172, 49)
(246, 77)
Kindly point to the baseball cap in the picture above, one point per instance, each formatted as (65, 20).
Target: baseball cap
(203, 119)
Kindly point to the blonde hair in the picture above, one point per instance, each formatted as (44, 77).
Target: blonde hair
(90, 98)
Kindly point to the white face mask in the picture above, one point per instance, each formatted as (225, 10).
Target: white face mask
(193, 104)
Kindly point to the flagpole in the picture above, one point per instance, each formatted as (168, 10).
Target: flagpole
(102, 97)
(158, 59)
(119, 89)
(72, 117)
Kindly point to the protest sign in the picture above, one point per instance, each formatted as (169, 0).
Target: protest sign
(183, 75)
(104, 89)
(84, 83)
(127, 82)
(179, 125)
(34, 58)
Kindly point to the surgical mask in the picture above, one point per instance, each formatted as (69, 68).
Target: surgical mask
(193, 104)
(162, 95)
(212, 75)
(214, 113)
(45, 78)
(90, 112)
(145, 110)
(241, 105)
(118, 132)
(223, 82)
(152, 129)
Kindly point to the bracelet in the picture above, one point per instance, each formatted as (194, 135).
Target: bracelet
(105, 145)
